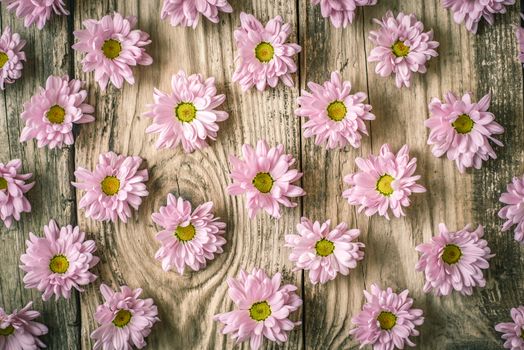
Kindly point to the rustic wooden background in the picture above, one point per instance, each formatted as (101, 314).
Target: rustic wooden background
(482, 63)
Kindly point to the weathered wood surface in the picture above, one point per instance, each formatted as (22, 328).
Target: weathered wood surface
(482, 63)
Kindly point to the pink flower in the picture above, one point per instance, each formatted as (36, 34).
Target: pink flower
(11, 57)
(188, 115)
(519, 32)
(324, 252)
(470, 12)
(263, 308)
(383, 182)
(341, 12)
(336, 117)
(51, 114)
(263, 57)
(454, 260)
(125, 319)
(113, 47)
(387, 320)
(513, 331)
(187, 12)
(189, 238)
(36, 11)
(13, 186)
(18, 331)
(58, 262)
(113, 188)
(513, 212)
(401, 47)
(264, 176)
(462, 129)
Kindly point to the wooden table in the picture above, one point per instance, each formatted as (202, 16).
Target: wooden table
(482, 63)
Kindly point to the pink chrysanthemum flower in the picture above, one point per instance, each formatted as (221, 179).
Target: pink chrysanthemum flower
(188, 115)
(263, 57)
(336, 117)
(401, 47)
(263, 308)
(519, 32)
(51, 114)
(341, 12)
(513, 331)
(187, 12)
(462, 129)
(13, 186)
(58, 262)
(189, 238)
(324, 252)
(513, 211)
(11, 57)
(383, 182)
(264, 176)
(454, 260)
(470, 12)
(125, 319)
(112, 46)
(36, 11)
(387, 320)
(18, 331)
(113, 188)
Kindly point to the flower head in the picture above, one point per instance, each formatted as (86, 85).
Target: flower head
(188, 115)
(401, 47)
(125, 319)
(11, 57)
(187, 12)
(341, 12)
(58, 262)
(13, 186)
(189, 238)
(335, 117)
(36, 11)
(51, 114)
(470, 12)
(263, 57)
(113, 188)
(262, 308)
(454, 260)
(513, 211)
(383, 182)
(112, 47)
(18, 331)
(462, 129)
(266, 178)
(513, 331)
(324, 252)
(519, 32)
(387, 320)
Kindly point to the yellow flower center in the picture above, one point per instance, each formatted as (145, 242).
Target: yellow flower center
(263, 182)
(185, 112)
(3, 184)
(122, 318)
(110, 185)
(384, 185)
(463, 124)
(112, 48)
(3, 59)
(55, 115)
(451, 254)
(324, 247)
(337, 111)
(59, 264)
(387, 320)
(185, 233)
(7, 331)
(264, 52)
(260, 311)
(400, 49)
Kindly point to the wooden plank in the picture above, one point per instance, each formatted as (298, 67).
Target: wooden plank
(48, 52)
(187, 304)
